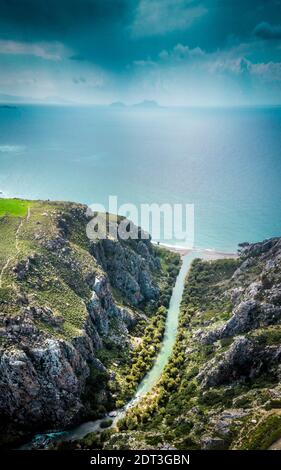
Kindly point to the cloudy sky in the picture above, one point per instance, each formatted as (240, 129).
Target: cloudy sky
(178, 52)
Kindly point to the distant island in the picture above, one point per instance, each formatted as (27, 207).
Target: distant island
(7, 106)
(118, 104)
(147, 104)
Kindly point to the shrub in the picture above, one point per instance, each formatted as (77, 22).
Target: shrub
(267, 431)
(90, 441)
(192, 373)
(122, 424)
(210, 398)
(106, 423)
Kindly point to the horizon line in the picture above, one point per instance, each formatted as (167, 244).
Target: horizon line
(138, 105)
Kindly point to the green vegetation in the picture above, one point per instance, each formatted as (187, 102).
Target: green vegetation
(13, 207)
(144, 354)
(7, 239)
(96, 386)
(267, 336)
(165, 279)
(265, 433)
(205, 287)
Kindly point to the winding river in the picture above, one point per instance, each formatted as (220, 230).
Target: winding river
(151, 377)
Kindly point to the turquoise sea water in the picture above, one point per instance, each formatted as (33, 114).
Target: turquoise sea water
(225, 161)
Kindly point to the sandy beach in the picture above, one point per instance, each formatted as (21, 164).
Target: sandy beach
(214, 254)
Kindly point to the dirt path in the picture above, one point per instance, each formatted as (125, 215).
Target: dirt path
(16, 246)
(3, 270)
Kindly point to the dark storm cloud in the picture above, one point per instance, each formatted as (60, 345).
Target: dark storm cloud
(92, 29)
(113, 33)
(58, 17)
(268, 31)
(147, 47)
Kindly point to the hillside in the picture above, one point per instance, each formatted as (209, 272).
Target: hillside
(221, 388)
(74, 313)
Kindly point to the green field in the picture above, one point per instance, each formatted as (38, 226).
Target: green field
(14, 207)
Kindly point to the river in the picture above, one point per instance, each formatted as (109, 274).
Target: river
(151, 378)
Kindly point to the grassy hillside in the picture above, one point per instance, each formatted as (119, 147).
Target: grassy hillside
(29, 269)
(13, 207)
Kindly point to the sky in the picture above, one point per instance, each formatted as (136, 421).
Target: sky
(176, 52)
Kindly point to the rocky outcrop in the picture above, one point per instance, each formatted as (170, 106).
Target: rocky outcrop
(212, 443)
(43, 383)
(129, 267)
(257, 297)
(248, 315)
(243, 360)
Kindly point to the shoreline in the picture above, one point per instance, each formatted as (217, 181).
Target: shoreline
(182, 251)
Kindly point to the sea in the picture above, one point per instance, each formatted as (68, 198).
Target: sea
(224, 161)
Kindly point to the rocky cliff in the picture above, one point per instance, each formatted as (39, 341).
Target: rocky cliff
(64, 302)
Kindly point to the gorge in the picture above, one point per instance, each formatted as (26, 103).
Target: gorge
(113, 334)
